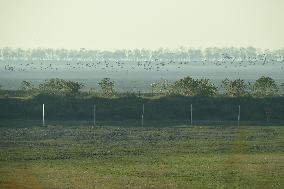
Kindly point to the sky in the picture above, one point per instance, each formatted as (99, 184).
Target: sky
(149, 24)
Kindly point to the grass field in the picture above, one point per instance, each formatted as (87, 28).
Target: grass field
(171, 157)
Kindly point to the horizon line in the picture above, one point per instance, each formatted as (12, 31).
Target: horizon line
(151, 49)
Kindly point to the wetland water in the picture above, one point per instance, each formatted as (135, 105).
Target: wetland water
(133, 76)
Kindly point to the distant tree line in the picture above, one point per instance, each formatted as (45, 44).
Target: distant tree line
(187, 86)
(52, 87)
(61, 87)
(230, 55)
(262, 87)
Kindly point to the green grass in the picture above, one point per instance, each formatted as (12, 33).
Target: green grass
(169, 157)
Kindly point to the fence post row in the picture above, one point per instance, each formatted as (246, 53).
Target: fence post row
(142, 116)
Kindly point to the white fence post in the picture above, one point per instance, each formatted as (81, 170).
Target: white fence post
(142, 117)
(239, 115)
(42, 114)
(94, 114)
(191, 114)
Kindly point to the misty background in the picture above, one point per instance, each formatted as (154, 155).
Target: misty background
(137, 42)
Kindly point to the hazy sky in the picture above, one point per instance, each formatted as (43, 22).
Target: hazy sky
(119, 24)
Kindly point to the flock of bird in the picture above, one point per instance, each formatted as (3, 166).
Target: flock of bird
(115, 66)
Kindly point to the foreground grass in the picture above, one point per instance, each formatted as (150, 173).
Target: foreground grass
(110, 157)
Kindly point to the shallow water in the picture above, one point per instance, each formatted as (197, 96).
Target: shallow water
(133, 76)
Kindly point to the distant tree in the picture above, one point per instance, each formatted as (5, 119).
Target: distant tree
(0, 89)
(28, 88)
(265, 86)
(236, 87)
(185, 86)
(107, 87)
(92, 92)
(26, 85)
(72, 87)
(153, 87)
(2, 92)
(206, 88)
(162, 86)
(282, 85)
(194, 87)
(60, 87)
